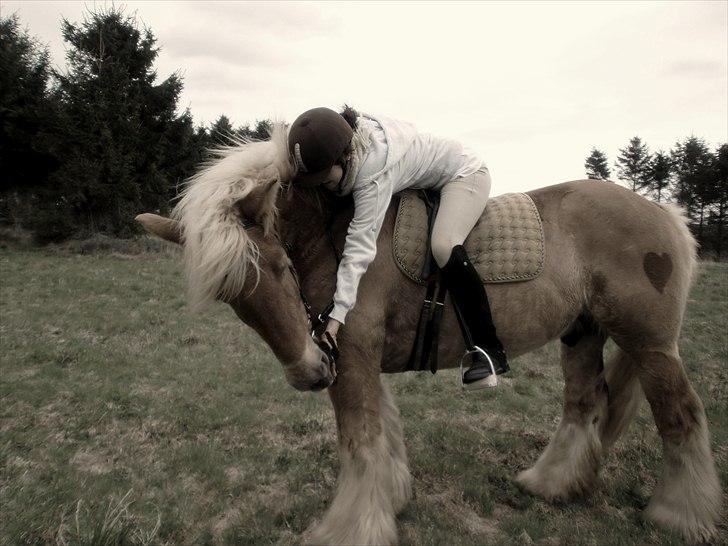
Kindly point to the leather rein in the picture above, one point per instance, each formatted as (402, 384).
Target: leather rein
(324, 340)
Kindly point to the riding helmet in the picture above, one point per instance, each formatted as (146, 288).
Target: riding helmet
(317, 139)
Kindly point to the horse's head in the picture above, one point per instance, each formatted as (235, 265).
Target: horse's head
(233, 253)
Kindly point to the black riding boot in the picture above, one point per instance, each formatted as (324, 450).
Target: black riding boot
(471, 303)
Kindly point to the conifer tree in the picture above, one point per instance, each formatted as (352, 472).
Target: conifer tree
(596, 165)
(659, 174)
(695, 179)
(123, 132)
(28, 119)
(222, 132)
(633, 163)
(720, 168)
(260, 131)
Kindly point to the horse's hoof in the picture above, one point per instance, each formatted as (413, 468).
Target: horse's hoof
(690, 526)
(549, 488)
(528, 481)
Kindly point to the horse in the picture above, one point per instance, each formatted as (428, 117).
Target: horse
(617, 266)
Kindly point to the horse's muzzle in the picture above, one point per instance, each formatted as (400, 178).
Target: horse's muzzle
(313, 372)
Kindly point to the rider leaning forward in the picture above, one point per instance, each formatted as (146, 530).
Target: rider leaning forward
(374, 157)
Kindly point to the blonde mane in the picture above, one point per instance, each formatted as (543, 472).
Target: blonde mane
(217, 250)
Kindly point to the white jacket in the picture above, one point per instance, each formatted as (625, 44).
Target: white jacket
(397, 157)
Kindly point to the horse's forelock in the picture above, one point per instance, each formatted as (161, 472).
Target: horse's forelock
(217, 250)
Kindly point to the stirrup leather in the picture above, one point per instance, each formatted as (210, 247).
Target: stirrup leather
(489, 382)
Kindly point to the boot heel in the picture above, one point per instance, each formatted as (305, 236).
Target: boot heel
(490, 381)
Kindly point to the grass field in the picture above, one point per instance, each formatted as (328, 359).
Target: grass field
(127, 420)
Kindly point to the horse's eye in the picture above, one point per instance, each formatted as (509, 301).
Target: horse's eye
(280, 266)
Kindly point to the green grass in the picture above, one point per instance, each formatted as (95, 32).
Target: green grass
(127, 420)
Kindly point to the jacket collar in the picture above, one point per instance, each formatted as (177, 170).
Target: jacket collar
(399, 136)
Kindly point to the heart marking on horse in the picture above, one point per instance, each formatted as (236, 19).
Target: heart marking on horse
(658, 268)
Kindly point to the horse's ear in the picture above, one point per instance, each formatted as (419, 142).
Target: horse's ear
(259, 204)
(164, 228)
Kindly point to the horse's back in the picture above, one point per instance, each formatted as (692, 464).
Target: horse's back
(602, 209)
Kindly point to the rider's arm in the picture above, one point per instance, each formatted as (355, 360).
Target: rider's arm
(371, 201)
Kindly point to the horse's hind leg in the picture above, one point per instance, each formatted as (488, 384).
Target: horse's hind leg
(570, 463)
(688, 496)
(625, 396)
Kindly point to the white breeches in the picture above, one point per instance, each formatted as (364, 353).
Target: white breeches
(462, 201)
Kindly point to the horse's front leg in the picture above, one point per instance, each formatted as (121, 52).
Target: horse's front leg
(401, 480)
(374, 481)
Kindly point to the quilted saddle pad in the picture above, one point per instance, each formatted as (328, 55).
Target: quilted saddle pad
(506, 245)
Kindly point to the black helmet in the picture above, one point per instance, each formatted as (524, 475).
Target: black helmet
(317, 139)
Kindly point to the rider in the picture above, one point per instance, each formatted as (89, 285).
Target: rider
(373, 157)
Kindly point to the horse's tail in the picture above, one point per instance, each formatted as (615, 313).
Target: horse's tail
(687, 243)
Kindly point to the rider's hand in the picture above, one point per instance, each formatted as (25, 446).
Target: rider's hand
(332, 327)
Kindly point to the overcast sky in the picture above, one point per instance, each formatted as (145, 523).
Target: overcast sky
(531, 86)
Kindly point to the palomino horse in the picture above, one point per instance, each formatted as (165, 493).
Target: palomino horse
(616, 266)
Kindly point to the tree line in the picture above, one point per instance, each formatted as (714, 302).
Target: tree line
(690, 174)
(86, 148)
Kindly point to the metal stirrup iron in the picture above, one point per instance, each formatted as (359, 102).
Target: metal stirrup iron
(489, 382)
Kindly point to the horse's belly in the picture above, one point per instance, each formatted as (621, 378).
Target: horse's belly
(527, 315)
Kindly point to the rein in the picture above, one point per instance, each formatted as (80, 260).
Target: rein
(328, 344)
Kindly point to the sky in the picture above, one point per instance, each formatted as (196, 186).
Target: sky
(531, 86)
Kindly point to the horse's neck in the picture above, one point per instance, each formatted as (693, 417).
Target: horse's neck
(309, 221)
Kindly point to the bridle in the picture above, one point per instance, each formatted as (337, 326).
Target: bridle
(324, 340)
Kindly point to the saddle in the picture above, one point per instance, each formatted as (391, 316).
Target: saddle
(506, 245)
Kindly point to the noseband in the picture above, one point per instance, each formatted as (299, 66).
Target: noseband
(324, 340)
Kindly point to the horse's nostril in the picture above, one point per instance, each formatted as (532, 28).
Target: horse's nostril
(320, 385)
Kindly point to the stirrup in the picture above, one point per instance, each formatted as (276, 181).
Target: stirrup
(487, 382)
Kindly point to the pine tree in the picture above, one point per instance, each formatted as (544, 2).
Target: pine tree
(695, 187)
(720, 168)
(633, 163)
(28, 119)
(261, 131)
(123, 132)
(597, 166)
(659, 174)
(222, 132)
(183, 151)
